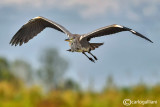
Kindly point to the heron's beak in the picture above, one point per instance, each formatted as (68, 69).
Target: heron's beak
(67, 40)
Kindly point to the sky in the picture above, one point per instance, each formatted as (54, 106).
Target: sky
(126, 57)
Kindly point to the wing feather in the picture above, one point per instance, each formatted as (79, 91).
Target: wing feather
(112, 29)
(33, 27)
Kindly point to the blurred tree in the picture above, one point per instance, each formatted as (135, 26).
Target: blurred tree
(52, 69)
(110, 84)
(5, 73)
(110, 81)
(23, 70)
(71, 85)
(91, 84)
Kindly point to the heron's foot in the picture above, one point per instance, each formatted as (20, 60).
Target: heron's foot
(88, 57)
(95, 57)
(91, 60)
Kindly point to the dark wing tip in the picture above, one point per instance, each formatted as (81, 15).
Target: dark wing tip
(150, 41)
(27, 31)
(16, 41)
(140, 35)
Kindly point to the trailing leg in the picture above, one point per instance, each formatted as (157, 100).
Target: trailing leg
(93, 55)
(88, 57)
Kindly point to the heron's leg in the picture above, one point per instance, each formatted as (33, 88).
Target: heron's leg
(93, 55)
(69, 50)
(88, 57)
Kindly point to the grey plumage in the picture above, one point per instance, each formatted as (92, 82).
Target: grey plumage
(78, 43)
(111, 30)
(33, 27)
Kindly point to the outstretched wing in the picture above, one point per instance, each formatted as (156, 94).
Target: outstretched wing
(33, 27)
(110, 30)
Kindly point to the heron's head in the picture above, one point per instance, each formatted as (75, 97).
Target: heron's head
(69, 40)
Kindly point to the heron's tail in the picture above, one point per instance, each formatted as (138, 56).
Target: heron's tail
(95, 45)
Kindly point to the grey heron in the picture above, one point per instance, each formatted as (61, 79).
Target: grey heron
(78, 43)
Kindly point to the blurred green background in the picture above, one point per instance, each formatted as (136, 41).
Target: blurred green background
(42, 73)
(18, 87)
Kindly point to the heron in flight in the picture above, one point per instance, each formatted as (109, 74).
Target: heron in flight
(78, 43)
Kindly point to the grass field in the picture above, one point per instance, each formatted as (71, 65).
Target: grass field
(12, 95)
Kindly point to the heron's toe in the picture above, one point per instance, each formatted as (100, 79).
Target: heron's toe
(91, 60)
(95, 58)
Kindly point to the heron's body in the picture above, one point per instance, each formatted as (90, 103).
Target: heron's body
(78, 43)
(77, 46)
